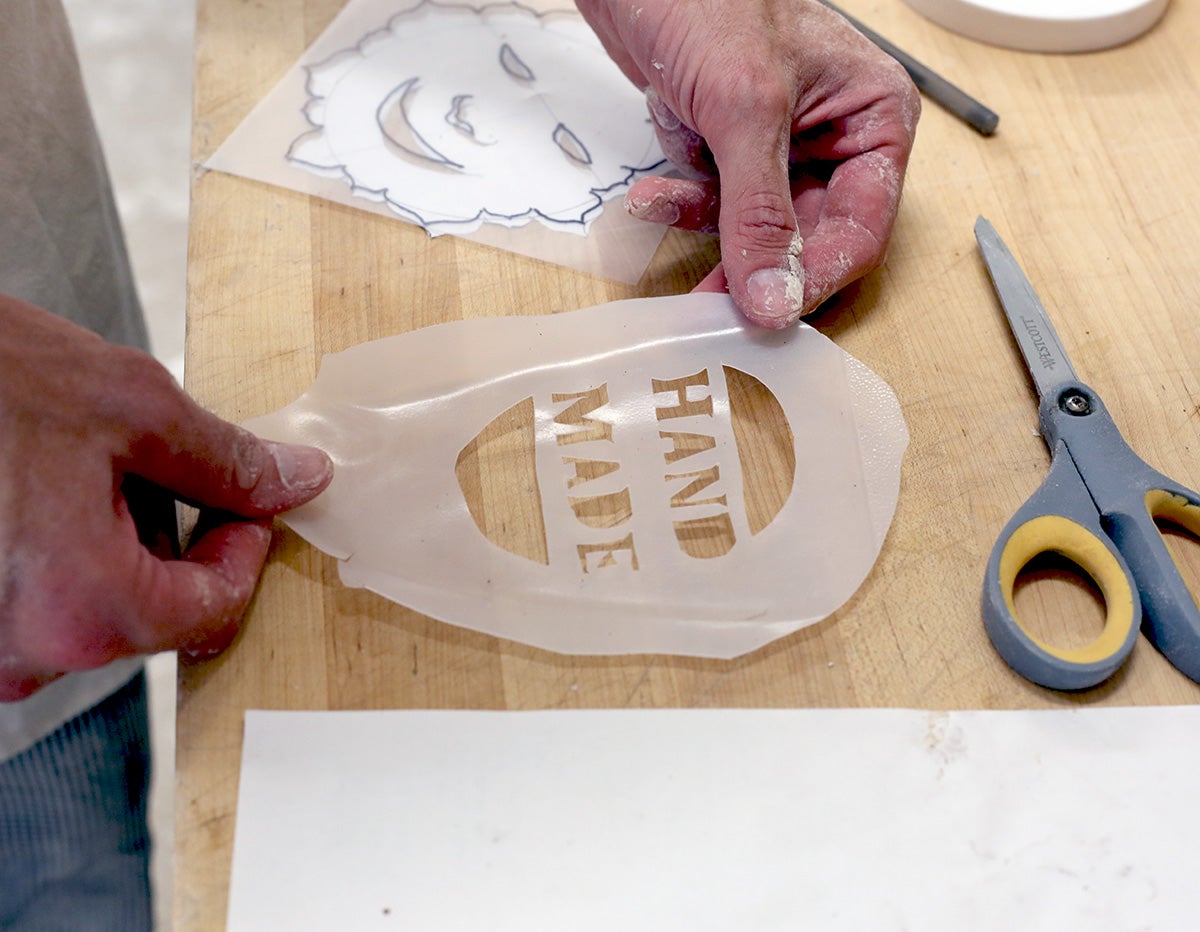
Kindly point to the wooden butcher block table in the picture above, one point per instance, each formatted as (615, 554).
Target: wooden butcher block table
(1092, 179)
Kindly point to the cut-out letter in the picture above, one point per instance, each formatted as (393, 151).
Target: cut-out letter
(603, 511)
(685, 408)
(684, 444)
(587, 470)
(705, 538)
(608, 554)
(703, 479)
(576, 415)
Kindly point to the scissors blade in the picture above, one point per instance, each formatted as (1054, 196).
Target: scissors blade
(1044, 355)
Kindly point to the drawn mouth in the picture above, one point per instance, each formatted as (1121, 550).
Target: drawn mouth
(395, 123)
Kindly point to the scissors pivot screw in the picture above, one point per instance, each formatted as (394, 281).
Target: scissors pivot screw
(1075, 403)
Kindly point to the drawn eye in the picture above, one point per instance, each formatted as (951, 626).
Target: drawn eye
(511, 62)
(571, 145)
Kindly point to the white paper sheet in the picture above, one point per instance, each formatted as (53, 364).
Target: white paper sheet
(504, 123)
(718, 820)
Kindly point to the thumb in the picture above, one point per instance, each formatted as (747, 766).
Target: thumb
(211, 462)
(760, 240)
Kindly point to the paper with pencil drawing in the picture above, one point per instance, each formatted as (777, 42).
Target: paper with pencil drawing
(500, 122)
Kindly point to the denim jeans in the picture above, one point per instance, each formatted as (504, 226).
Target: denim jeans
(74, 842)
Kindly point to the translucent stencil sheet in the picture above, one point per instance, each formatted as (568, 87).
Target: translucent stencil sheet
(500, 122)
(654, 475)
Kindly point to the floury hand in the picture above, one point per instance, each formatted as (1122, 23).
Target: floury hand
(796, 127)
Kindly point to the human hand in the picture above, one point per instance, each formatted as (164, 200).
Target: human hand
(807, 123)
(82, 424)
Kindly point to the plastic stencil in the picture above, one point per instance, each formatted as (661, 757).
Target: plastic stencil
(654, 475)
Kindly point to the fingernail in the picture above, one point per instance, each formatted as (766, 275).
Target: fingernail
(776, 296)
(656, 209)
(247, 460)
(301, 468)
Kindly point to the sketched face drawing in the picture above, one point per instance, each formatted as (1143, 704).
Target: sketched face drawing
(454, 116)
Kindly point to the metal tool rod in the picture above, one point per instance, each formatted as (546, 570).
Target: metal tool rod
(932, 84)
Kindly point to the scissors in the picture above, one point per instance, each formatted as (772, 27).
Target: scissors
(1097, 507)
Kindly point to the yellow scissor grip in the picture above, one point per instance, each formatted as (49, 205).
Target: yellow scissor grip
(1171, 507)
(1056, 534)
(1178, 510)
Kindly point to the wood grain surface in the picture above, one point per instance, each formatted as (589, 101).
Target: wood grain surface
(1093, 181)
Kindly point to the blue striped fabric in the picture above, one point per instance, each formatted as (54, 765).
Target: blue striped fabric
(74, 843)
